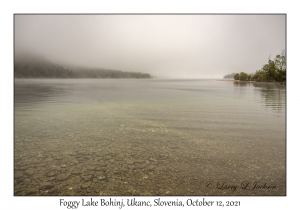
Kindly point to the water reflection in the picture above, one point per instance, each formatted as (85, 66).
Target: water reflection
(241, 84)
(33, 92)
(27, 92)
(270, 94)
(273, 95)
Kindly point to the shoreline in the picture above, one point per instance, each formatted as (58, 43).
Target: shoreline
(232, 80)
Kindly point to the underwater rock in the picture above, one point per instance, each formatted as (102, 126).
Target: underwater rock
(51, 173)
(63, 176)
(87, 178)
(86, 184)
(46, 186)
(29, 171)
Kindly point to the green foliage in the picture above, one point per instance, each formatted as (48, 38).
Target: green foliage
(274, 70)
(249, 77)
(243, 76)
(236, 76)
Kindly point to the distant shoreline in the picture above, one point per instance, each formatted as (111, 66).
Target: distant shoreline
(232, 80)
(225, 80)
(80, 78)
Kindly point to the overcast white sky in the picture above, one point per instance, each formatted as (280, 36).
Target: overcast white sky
(174, 46)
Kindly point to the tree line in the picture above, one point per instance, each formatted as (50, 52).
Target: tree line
(229, 76)
(274, 70)
(46, 69)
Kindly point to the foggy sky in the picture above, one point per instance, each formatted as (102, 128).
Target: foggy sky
(172, 46)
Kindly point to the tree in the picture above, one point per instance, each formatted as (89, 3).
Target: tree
(229, 76)
(243, 76)
(46, 69)
(280, 63)
(249, 77)
(236, 76)
(274, 70)
(270, 70)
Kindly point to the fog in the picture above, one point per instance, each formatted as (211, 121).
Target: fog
(166, 46)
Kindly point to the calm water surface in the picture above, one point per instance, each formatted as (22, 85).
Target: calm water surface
(149, 137)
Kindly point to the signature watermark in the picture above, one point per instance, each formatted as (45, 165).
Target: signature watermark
(245, 185)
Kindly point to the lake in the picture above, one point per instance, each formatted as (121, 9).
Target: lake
(149, 137)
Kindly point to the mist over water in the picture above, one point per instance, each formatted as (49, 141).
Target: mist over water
(147, 137)
(165, 46)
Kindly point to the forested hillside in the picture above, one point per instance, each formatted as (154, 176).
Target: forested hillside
(33, 67)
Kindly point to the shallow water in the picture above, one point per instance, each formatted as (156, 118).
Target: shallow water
(149, 137)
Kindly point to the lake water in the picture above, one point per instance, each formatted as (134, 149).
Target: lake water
(149, 137)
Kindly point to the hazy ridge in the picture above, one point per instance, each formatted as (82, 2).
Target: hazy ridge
(35, 66)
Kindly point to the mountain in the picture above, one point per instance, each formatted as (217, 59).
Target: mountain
(34, 66)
